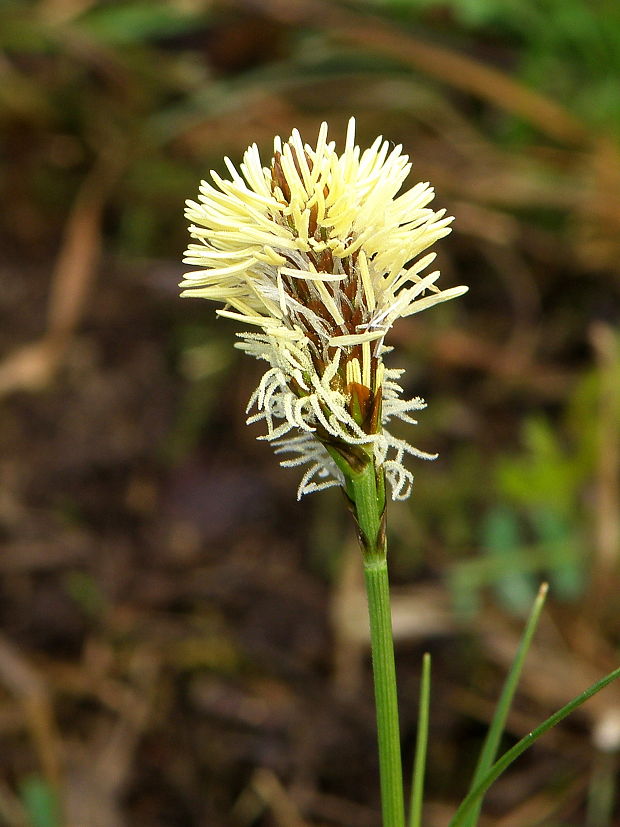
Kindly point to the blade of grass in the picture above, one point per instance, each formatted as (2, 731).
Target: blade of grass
(41, 802)
(602, 794)
(512, 754)
(491, 742)
(419, 764)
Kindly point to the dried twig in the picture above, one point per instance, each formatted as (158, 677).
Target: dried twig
(27, 685)
(98, 771)
(269, 788)
(33, 366)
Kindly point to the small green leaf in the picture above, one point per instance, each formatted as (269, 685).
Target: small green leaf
(501, 540)
(566, 565)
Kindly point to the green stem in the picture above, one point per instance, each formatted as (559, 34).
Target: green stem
(369, 501)
(369, 505)
(384, 670)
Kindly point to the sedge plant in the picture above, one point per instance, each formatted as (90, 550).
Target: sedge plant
(317, 254)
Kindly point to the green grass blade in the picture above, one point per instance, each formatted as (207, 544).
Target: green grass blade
(602, 793)
(491, 742)
(41, 803)
(508, 757)
(419, 764)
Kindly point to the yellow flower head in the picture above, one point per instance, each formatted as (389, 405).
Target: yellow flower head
(320, 254)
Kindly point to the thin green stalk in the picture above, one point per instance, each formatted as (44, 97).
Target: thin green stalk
(419, 764)
(388, 733)
(369, 506)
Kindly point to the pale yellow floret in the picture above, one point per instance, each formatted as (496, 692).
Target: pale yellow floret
(328, 301)
(298, 193)
(427, 283)
(319, 152)
(233, 172)
(354, 374)
(301, 221)
(354, 245)
(356, 338)
(366, 363)
(269, 256)
(336, 200)
(292, 335)
(411, 273)
(311, 275)
(301, 157)
(437, 298)
(252, 170)
(282, 239)
(236, 192)
(270, 306)
(217, 293)
(206, 253)
(317, 198)
(369, 291)
(341, 222)
(261, 321)
(218, 272)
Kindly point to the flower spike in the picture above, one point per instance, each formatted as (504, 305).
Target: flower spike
(322, 255)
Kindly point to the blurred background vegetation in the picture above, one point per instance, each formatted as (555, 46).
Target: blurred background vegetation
(181, 642)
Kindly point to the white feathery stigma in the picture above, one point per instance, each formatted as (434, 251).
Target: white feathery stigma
(319, 254)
